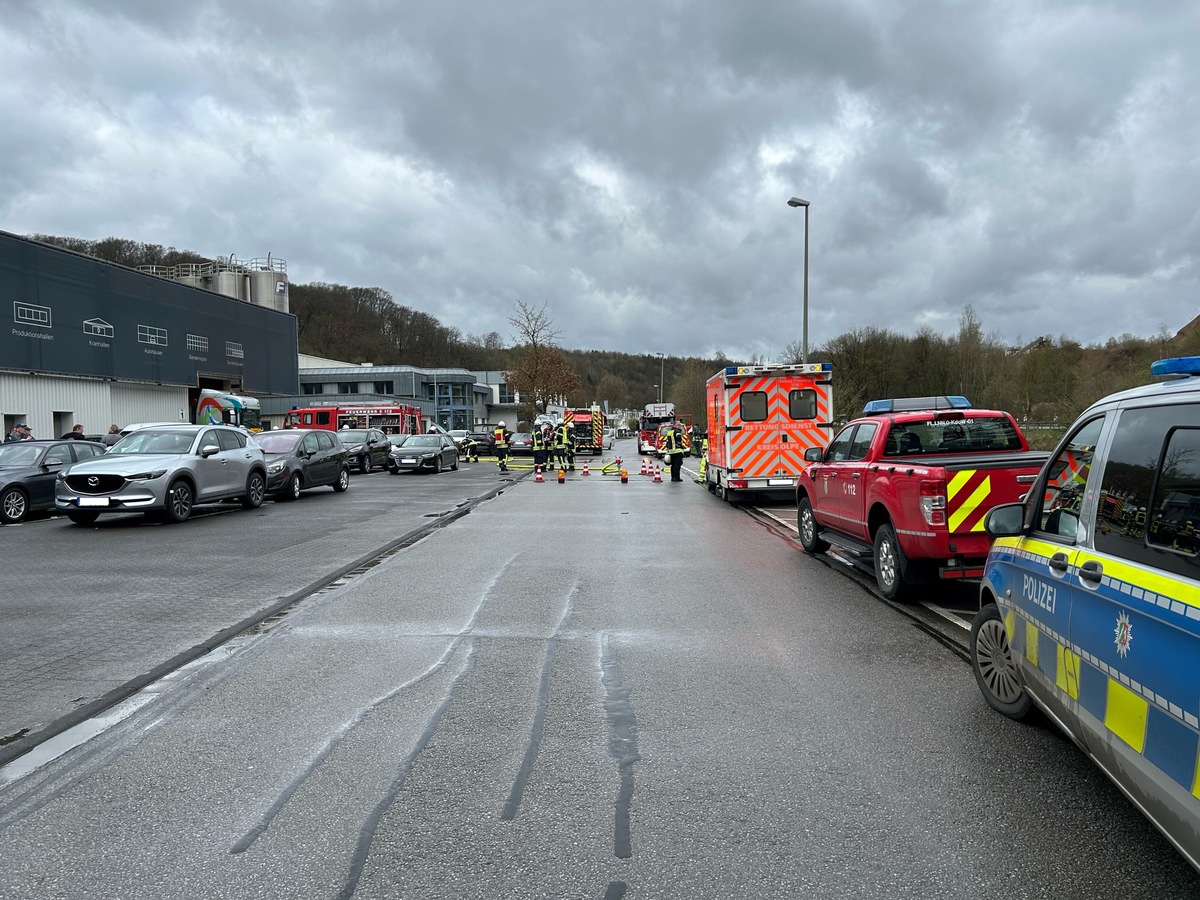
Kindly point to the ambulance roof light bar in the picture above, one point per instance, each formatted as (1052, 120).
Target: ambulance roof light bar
(795, 368)
(1180, 365)
(915, 404)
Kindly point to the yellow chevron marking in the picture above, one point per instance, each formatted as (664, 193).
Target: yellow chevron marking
(969, 505)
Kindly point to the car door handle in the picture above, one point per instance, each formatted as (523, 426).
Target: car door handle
(1058, 562)
(1091, 572)
(856, 474)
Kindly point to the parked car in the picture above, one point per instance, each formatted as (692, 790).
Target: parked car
(28, 470)
(1090, 599)
(520, 444)
(458, 435)
(433, 452)
(300, 459)
(484, 442)
(366, 447)
(166, 469)
(609, 437)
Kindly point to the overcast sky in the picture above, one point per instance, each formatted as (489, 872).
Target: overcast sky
(628, 164)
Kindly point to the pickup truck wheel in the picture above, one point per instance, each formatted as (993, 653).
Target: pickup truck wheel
(998, 678)
(807, 526)
(889, 564)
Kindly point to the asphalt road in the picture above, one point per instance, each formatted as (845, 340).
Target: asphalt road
(587, 690)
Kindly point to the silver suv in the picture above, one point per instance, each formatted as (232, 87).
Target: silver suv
(165, 469)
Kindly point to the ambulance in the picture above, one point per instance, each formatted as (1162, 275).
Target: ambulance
(761, 419)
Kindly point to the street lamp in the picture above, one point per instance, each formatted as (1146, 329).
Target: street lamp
(661, 361)
(794, 202)
(659, 392)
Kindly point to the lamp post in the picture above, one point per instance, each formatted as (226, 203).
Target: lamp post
(794, 202)
(661, 362)
(659, 392)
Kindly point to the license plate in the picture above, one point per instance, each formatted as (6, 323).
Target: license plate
(92, 501)
(779, 482)
(410, 461)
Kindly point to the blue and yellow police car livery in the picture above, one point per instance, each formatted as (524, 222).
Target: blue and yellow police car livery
(1090, 599)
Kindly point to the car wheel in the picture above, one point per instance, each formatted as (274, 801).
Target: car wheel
(256, 491)
(997, 675)
(889, 564)
(807, 526)
(292, 491)
(179, 501)
(343, 480)
(364, 465)
(82, 516)
(454, 465)
(14, 505)
(437, 464)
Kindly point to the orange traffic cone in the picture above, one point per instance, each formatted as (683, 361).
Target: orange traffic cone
(645, 471)
(657, 475)
(537, 475)
(562, 476)
(585, 469)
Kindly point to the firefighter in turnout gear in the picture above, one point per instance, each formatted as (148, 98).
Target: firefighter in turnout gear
(500, 439)
(675, 445)
(538, 439)
(564, 446)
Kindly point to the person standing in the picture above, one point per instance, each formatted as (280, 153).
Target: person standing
(539, 449)
(500, 438)
(114, 435)
(75, 434)
(19, 432)
(564, 445)
(674, 445)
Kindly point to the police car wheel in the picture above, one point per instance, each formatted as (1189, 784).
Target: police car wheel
(806, 525)
(998, 678)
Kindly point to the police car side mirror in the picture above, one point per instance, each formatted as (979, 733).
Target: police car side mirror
(1006, 520)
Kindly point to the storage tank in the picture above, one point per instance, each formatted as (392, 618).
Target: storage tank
(193, 274)
(229, 279)
(268, 283)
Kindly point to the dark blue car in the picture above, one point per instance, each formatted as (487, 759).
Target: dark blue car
(28, 470)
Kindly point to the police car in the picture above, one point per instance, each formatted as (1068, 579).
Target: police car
(1090, 600)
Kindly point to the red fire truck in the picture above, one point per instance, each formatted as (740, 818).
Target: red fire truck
(401, 419)
(653, 416)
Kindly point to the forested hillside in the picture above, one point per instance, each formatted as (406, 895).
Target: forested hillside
(1050, 379)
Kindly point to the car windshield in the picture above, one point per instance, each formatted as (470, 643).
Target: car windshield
(353, 435)
(17, 455)
(279, 441)
(423, 440)
(150, 440)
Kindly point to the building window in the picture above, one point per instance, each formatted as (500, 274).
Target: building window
(312, 388)
(347, 387)
(384, 387)
(507, 395)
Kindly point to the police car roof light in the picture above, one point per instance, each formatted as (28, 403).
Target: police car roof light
(912, 404)
(1180, 365)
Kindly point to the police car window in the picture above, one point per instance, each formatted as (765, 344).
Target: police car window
(802, 404)
(1066, 483)
(839, 447)
(862, 440)
(753, 406)
(1150, 489)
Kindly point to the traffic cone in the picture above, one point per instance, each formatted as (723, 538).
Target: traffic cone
(585, 469)
(644, 471)
(657, 475)
(537, 476)
(562, 476)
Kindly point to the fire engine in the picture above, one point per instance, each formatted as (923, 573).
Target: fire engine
(653, 416)
(401, 419)
(761, 419)
(587, 426)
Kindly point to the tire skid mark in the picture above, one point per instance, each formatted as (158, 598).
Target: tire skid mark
(622, 743)
(366, 835)
(346, 728)
(537, 728)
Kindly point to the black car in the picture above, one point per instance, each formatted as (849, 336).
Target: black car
(300, 459)
(431, 452)
(483, 442)
(367, 447)
(28, 470)
(520, 444)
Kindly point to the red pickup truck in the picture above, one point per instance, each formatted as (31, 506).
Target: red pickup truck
(904, 489)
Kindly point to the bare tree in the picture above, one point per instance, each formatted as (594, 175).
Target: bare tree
(541, 374)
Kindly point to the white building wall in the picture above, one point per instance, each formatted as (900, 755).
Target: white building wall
(51, 405)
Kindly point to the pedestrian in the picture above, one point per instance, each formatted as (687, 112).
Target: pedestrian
(75, 434)
(114, 435)
(20, 432)
(674, 445)
(500, 438)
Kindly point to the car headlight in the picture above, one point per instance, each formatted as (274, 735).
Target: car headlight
(146, 476)
(354, 448)
(276, 467)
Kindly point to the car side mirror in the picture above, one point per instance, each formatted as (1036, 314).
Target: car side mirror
(52, 465)
(209, 450)
(813, 454)
(1006, 520)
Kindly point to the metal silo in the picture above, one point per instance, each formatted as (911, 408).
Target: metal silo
(268, 283)
(229, 278)
(192, 274)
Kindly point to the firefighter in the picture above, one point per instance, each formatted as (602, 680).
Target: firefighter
(470, 449)
(564, 446)
(500, 438)
(539, 449)
(674, 445)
